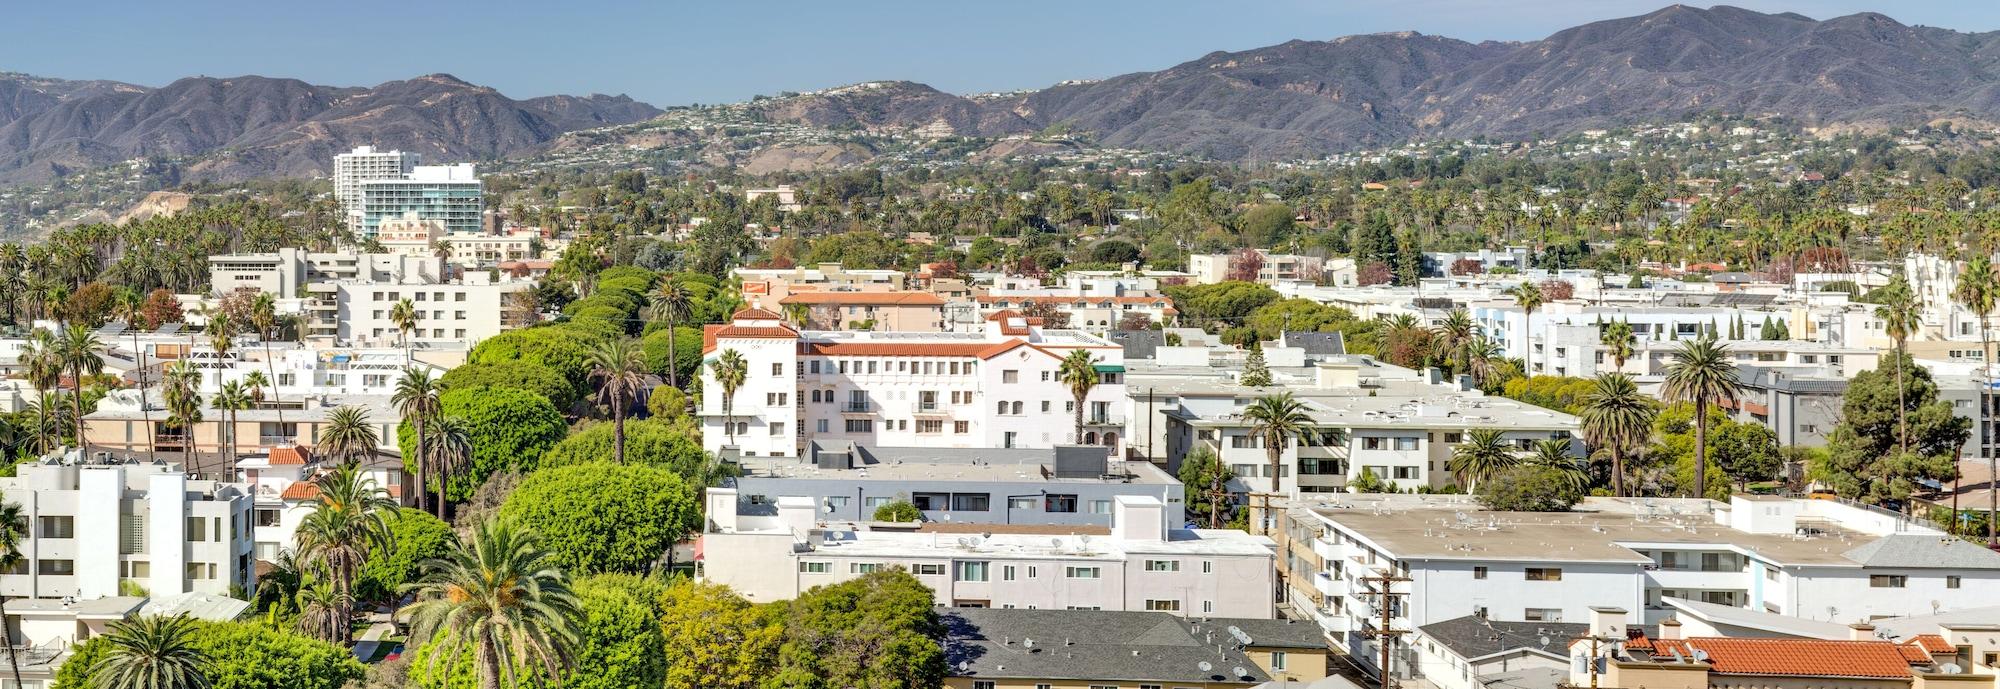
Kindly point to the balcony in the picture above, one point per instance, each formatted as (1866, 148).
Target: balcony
(857, 408)
(932, 409)
(1104, 420)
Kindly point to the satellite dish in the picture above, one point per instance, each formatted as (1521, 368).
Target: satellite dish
(1950, 669)
(1205, 666)
(1240, 672)
(1699, 656)
(1545, 641)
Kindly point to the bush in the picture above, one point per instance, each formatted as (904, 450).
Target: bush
(687, 351)
(415, 536)
(648, 442)
(1529, 488)
(879, 630)
(522, 375)
(510, 430)
(563, 348)
(242, 655)
(619, 638)
(604, 517)
(898, 511)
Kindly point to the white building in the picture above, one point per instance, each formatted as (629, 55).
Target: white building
(996, 388)
(94, 525)
(1209, 269)
(363, 164)
(1137, 564)
(452, 194)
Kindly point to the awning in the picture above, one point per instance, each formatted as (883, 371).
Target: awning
(1110, 368)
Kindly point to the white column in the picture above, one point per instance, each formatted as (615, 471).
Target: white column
(100, 490)
(166, 533)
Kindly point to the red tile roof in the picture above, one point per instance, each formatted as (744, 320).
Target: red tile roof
(291, 456)
(1795, 657)
(711, 332)
(979, 350)
(866, 298)
(755, 314)
(1933, 643)
(303, 490)
(1914, 653)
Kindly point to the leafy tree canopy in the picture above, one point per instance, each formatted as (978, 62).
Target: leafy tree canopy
(509, 429)
(604, 517)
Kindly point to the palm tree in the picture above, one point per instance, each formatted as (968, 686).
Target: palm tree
(1618, 419)
(498, 596)
(151, 653)
(450, 453)
(13, 528)
(1078, 372)
(671, 305)
(264, 317)
(221, 339)
(320, 610)
(1701, 373)
(730, 369)
(184, 407)
(41, 360)
(229, 400)
(348, 435)
(1275, 420)
(130, 307)
(1454, 336)
(1902, 315)
(78, 347)
(1484, 453)
(349, 515)
(416, 398)
(404, 315)
(1618, 342)
(1554, 453)
(1978, 290)
(619, 366)
(1530, 298)
(1480, 356)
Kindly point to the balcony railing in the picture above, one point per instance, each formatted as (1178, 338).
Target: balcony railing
(856, 408)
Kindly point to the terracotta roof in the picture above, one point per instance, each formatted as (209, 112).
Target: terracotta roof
(979, 350)
(712, 331)
(870, 298)
(1914, 653)
(292, 456)
(1163, 301)
(1006, 318)
(755, 314)
(303, 490)
(1933, 643)
(1795, 657)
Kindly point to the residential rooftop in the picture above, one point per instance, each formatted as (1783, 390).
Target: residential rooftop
(1090, 645)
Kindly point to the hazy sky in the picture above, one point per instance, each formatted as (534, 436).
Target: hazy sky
(701, 51)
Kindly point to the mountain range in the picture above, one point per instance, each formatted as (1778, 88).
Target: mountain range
(1298, 99)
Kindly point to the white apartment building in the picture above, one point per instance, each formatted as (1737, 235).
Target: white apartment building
(294, 370)
(1810, 559)
(1095, 314)
(1137, 564)
(995, 388)
(763, 288)
(454, 313)
(287, 271)
(1209, 269)
(363, 164)
(95, 524)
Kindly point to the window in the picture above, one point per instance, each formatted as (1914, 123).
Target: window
(814, 568)
(970, 502)
(972, 571)
(931, 569)
(986, 684)
(55, 527)
(1163, 565)
(1371, 443)
(864, 567)
(1207, 566)
(1950, 580)
(1480, 572)
(937, 426)
(778, 370)
(1407, 444)
(267, 516)
(778, 428)
(1542, 614)
(1045, 376)
(1163, 606)
(877, 502)
(1100, 507)
(961, 427)
(1045, 410)
(197, 529)
(861, 425)
(1058, 503)
(1082, 572)
(1010, 376)
(1007, 573)
(1888, 581)
(55, 567)
(1544, 574)
(1278, 657)
(931, 501)
(819, 425)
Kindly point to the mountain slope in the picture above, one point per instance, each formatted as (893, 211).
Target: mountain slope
(255, 126)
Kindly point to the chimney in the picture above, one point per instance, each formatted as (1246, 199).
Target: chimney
(1607, 621)
(1861, 631)
(1670, 628)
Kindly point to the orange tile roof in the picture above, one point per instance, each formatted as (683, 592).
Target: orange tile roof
(1795, 657)
(712, 331)
(755, 314)
(291, 456)
(303, 490)
(868, 298)
(1914, 653)
(978, 350)
(989, 299)
(1933, 643)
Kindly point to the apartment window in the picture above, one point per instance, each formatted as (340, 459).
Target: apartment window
(1056, 502)
(197, 529)
(1371, 443)
(1479, 572)
(777, 369)
(135, 569)
(55, 527)
(1082, 572)
(1544, 574)
(982, 684)
(860, 425)
(930, 426)
(1163, 565)
(872, 503)
(1007, 573)
(1045, 406)
(1406, 444)
(1010, 376)
(1278, 661)
(777, 429)
(1163, 606)
(1888, 581)
(961, 427)
(1951, 581)
(1100, 507)
(55, 567)
(814, 567)
(1207, 566)
(871, 365)
(819, 425)
(864, 567)
(1542, 614)
(267, 516)
(972, 571)
(931, 501)
(971, 502)
(931, 569)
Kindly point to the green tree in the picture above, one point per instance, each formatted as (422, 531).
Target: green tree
(1483, 455)
(716, 640)
(730, 370)
(1618, 341)
(232, 655)
(1529, 488)
(1222, 301)
(1078, 373)
(603, 517)
(500, 598)
(1617, 420)
(1255, 373)
(349, 518)
(519, 375)
(671, 306)
(151, 653)
(879, 630)
(1703, 374)
(1902, 314)
(348, 435)
(416, 399)
(403, 315)
(414, 536)
(1746, 452)
(508, 430)
(1530, 298)
(1863, 460)
(1979, 292)
(619, 366)
(1268, 224)
(562, 348)
(648, 442)
(1205, 482)
(898, 511)
(1276, 420)
(674, 353)
(619, 636)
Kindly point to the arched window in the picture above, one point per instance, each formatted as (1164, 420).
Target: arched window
(1110, 439)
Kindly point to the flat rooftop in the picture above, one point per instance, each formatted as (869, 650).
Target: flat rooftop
(946, 466)
(864, 542)
(1436, 407)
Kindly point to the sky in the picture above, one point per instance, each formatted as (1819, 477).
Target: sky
(669, 52)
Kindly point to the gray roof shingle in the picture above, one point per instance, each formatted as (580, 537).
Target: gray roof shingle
(1088, 645)
(1921, 551)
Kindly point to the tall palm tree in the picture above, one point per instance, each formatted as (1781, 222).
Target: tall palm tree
(1454, 336)
(1480, 356)
(450, 453)
(1554, 453)
(264, 317)
(729, 369)
(229, 400)
(131, 308)
(320, 610)
(416, 399)
(1702, 373)
(1618, 341)
(1078, 372)
(1484, 453)
(671, 305)
(13, 528)
(404, 315)
(1275, 420)
(79, 353)
(349, 515)
(181, 391)
(1902, 315)
(497, 595)
(1617, 419)
(41, 360)
(151, 652)
(1978, 290)
(348, 435)
(619, 367)
(1530, 298)
(222, 339)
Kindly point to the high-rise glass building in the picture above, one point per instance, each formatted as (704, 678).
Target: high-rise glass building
(451, 194)
(360, 165)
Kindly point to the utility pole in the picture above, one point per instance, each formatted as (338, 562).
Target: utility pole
(1595, 659)
(1384, 634)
